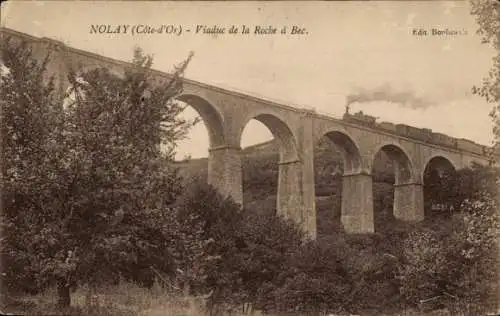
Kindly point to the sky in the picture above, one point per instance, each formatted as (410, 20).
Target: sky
(367, 54)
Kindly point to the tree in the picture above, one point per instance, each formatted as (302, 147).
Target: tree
(487, 14)
(235, 255)
(456, 258)
(264, 249)
(479, 251)
(89, 187)
(209, 224)
(29, 115)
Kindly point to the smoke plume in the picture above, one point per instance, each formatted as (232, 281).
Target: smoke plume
(386, 93)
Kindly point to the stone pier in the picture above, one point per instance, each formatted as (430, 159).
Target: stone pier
(357, 203)
(224, 171)
(289, 199)
(409, 202)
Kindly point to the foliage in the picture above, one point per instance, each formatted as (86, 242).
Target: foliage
(260, 176)
(90, 197)
(487, 14)
(401, 264)
(88, 187)
(423, 262)
(29, 115)
(451, 188)
(458, 261)
(209, 227)
(267, 244)
(245, 250)
(315, 281)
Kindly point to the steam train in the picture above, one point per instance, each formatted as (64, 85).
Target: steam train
(422, 134)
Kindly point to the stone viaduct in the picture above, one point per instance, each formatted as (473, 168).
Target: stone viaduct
(358, 137)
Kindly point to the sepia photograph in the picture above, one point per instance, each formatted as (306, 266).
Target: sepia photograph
(231, 158)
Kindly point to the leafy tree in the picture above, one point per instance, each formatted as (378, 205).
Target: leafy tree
(209, 224)
(457, 260)
(479, 250)
(474, 182)
(29, 116)
(235, 255)
(266, 246)
(487, 14)
(89, 187)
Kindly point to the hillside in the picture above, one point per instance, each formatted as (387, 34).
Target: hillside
(260, 181)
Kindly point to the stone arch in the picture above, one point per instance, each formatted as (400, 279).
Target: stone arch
(210, 115)
(439, 175)
(348, 148)
(334, 185)
(442, 160)
(289, 188)
(281, 132)
(406, 193)
(404, 170)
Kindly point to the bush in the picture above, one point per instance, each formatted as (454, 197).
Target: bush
(459, 260)
(316, 280)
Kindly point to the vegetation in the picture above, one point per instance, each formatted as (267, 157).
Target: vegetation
(92, 204)
(86, 190)
(487, 14)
